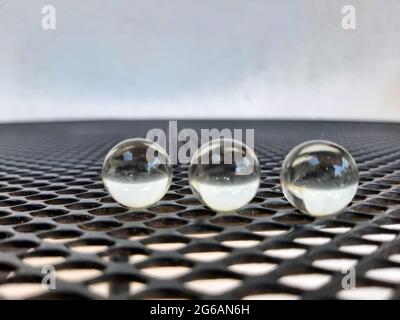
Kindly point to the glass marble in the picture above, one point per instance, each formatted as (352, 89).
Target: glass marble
(137, 172)
(224, 174)
(319, 178)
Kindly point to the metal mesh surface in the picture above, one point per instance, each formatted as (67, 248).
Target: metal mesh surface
(54, 211)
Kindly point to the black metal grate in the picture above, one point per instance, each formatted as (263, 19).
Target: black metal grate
(54, 210)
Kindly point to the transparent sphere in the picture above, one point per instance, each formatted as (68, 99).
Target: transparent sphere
(137, 172)
(319, 177)
(224, 174)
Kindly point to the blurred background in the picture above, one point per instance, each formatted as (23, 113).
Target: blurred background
(173, 59)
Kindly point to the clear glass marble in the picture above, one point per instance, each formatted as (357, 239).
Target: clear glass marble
(319, 177)
(137, 172)
(224, 174)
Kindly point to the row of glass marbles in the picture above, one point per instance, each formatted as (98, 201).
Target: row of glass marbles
(318, 177)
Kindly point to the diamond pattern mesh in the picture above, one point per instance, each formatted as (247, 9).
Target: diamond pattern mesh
(54, 211)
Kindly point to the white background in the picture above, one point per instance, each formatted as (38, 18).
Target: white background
(199, 59)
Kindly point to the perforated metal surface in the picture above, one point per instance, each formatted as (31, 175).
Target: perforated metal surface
(54, 210)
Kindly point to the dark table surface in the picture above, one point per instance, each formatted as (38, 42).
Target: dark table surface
(54, 211)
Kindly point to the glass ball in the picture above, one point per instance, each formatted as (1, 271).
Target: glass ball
(224, 174)
(319, 178)
(137, 172)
